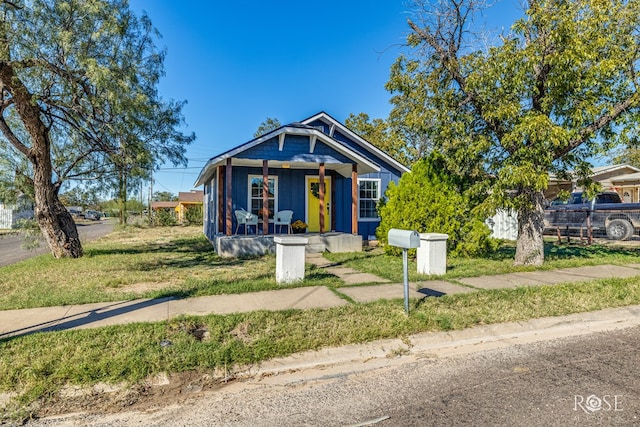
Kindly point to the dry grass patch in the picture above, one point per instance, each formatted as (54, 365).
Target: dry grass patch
(134, 263)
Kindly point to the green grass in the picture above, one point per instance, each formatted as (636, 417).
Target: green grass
(133, 263)
(37, 366)
(140, 263)
(556, 256)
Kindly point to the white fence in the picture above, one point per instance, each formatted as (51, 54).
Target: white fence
(504, 225)
(9, 217)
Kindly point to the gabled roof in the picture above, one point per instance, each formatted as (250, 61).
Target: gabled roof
(306, 161)
(598, 170)
(630, 177)
(193, 196)
(158, 205)
(623, 169)
(335, 124)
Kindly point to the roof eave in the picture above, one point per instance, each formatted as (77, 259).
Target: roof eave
(209, 168)
(358, 139)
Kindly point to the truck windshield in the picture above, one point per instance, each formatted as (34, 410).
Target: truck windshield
(580, 198)
(576, 199)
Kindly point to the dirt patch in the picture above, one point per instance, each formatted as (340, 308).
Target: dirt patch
(156, 393)
(141, 287)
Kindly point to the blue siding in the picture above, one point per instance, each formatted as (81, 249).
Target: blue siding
(209, 209)
(342, 211)
(291, 182)
(357, 148)
(387, 174)
(296, 147)
(291, 189)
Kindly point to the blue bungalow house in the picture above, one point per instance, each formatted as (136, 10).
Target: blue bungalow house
(330, 178)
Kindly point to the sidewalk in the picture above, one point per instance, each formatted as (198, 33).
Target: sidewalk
(21, 322)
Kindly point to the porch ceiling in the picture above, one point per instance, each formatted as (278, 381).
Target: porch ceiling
(343, 169)
(302, 160)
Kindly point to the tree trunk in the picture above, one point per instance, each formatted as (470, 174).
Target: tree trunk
(122, 196)
(57, 225)
(55, 221)
(530, 246)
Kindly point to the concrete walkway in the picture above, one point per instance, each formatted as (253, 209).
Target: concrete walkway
(21, 322)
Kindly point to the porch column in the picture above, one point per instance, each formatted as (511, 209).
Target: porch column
(229, 224)
(354, 199)
(265, 198)
(220, 200)
(321, 197)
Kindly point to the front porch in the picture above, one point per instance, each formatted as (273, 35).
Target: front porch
(254, 245)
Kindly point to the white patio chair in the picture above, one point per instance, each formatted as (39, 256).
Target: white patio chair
(282, 218)
(247, 219)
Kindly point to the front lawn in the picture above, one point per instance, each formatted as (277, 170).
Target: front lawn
(139, 263)
(556, 256)
(180, 262)
(35, 369)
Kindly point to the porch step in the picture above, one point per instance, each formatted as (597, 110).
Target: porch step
(315, 248)
(334, 242)
(249, 245)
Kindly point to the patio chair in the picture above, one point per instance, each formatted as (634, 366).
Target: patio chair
(282, 218)
(247, 219)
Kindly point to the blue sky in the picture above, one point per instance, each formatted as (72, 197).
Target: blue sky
(236, 63)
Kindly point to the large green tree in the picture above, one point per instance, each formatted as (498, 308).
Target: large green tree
(269, 124)
(389, 138)
(428, 200)
(560, 87)
(79, 100)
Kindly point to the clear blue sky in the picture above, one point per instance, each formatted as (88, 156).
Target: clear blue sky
(236, 63)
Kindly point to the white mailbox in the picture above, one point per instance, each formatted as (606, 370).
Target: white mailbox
(406, 239)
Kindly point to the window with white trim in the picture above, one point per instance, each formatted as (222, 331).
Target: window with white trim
(255, 195)
(368, 196)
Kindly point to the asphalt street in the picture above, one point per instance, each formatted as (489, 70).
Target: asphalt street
(11, 249)
(590, 379)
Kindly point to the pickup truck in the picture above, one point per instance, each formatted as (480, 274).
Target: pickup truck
(606, 212)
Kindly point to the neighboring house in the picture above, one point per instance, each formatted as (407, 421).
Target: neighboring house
(283, 169)
(625, 179)
(557, 185)
(165, 206)
(188, 200)
(179, 208)
(11, 214)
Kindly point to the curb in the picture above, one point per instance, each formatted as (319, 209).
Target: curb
(390, 352)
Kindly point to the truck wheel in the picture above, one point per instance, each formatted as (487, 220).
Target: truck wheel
(619, 229)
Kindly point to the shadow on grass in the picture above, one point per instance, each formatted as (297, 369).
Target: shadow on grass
(180, 245)
(188, 261)
(181, 253)
(567, 250)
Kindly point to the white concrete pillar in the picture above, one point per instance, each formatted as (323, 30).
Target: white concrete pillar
(432, 253)
(290, 257)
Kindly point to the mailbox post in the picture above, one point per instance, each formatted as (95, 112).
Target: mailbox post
(405, 239)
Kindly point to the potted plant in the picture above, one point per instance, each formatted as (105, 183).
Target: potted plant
(298, 226)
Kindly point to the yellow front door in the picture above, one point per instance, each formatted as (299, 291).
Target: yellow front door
(313, 204)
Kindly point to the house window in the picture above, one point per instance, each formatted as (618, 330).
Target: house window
(369, 194)
(255, 195)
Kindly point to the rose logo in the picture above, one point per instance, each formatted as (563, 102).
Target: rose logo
(593, 403)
